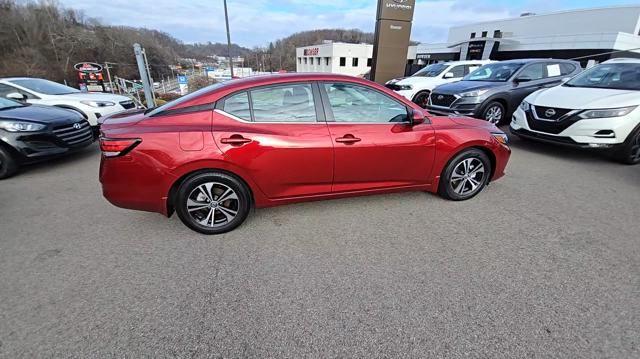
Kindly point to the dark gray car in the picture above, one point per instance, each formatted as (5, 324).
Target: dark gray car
(494, 91)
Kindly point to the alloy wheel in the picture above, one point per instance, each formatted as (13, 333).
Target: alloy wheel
(468, 176)
(494, 115)
(213, 204)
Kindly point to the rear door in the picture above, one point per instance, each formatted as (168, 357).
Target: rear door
(278, 134)
(375, 146)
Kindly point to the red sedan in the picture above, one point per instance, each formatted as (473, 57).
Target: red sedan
(264, 141)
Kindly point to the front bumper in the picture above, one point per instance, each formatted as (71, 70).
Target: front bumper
(38, 146)
(462, 106)
(575, 132)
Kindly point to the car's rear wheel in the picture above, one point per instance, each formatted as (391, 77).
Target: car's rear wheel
(465, 176)
(630, 151)
(421, 98)
(494, 113)
(8, 164)
(212, 202)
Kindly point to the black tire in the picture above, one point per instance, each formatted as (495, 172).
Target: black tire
(629, 153)
(448, 189)
(8, 164)
(421, 98)
(192, 192)
(488, 113)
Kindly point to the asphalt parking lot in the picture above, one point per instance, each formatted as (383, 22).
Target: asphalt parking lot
(544, 263)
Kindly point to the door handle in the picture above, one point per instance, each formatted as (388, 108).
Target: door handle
(348, 139)
(235, 140)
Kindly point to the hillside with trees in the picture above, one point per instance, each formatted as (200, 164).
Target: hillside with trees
(44, 39)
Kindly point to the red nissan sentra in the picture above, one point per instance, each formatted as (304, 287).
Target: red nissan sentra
(270, 140)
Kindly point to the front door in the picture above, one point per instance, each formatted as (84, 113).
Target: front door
(280, 139)
(375, 145)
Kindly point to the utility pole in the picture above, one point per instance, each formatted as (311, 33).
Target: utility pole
(226, 19)
(146, 63)
(107, 67)
(148, 92)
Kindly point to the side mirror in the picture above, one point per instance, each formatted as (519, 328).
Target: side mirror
(417, 117)
(16, 96)
(522, 79)
(448, 75)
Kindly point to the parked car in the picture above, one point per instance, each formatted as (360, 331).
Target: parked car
(44, 92)
(599, 108)
(30, 133)
(418, 86)
(277, 139)
(494, 91)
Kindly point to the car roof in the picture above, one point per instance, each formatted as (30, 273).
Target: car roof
(528, 61)
(624, 60)
(19, 78)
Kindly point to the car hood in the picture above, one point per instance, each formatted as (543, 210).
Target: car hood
(446, 121)
(465, 86)
(40, 114)
(93, 96)
(582, 98)
(121, 119)
(414, 80)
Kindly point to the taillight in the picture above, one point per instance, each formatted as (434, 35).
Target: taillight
(114, 147)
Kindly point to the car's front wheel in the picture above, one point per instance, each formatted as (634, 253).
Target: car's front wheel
(630, 152)
(8, 164)
(212, 202)
(465, 176)
(494, 113)
(421, 99)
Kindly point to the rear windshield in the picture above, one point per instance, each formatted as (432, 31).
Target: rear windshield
(432, 70)
(177, 102)
(615, 76)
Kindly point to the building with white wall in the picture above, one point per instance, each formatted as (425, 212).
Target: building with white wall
(335, 57)
(589, 34)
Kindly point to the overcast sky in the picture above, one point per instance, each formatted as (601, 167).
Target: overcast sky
(255, 23)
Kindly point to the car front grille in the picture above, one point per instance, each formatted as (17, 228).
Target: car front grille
(127, 104)
(549, 126)
(442, 100)
(550, 113)
(74, 134)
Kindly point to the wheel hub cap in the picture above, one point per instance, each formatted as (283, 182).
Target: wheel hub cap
(213, 204)
(467, 176)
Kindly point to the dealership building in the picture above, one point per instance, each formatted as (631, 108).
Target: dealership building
(339, 58)
(588, 35)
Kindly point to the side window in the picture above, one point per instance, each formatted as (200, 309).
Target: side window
(533, 71)
(353, 103)
(238, 105)
(566, 69)
(457, 71)
(7, 89)
(554, 69)
(471, 68)
(283, 103)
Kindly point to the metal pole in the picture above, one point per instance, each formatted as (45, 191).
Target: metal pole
(226, 19)
(107, 67)
(148, 93)
(146, 63)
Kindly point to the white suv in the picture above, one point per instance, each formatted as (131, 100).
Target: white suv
(598, 108)
(44, 92)
(418, 86)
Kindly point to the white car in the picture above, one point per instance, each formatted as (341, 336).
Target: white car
(44, 92)
(598, 108)
(418, 86)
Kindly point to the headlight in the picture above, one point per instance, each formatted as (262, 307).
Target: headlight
(19, 126)
(404, 87)
(610, 112)
(525, 106)
(501, 137)
(475, 93)
(98, 103)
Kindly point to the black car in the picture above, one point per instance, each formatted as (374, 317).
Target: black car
(29, 133)
(494, 91)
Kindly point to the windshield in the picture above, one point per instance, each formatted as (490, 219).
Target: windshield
(615, 76)
(432, 70)
(45, 86)
(183, 99)
(498, 72)
(6, 103)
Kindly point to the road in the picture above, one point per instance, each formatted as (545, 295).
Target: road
(544, 263)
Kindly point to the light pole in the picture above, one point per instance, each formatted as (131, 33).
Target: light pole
(226, 19)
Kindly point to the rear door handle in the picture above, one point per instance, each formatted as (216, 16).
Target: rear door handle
(348, 139)
(235, 140)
